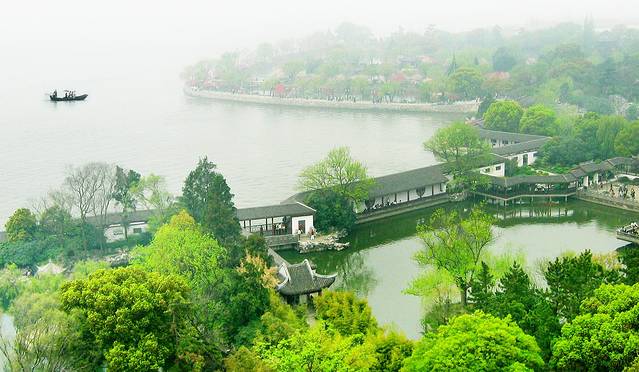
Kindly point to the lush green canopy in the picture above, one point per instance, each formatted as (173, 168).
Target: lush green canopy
(476, 342)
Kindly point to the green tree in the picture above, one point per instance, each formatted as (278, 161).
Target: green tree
(208, 198)
(332, 211)
(463, 151)
(129, 318)
(503, 60)
(321, 348)
(21, 226)
(608, 129)
(346, 313)
(538, 119)
(571, 280)
(151, 192)
(45, 337)
(629, 257)
(457, 245)
(627, 141)
(467, 83)
(517, 296)
(605, 336)
(123, 194)
(476, 342)
(391, 349)
(504, 116)
(340, 173)
(565, 151)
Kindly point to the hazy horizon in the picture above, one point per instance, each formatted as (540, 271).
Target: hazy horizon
(204, 29)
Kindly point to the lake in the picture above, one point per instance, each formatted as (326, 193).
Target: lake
(379, 265)
(150, 126)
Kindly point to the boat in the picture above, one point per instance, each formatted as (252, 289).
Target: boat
(54, 97)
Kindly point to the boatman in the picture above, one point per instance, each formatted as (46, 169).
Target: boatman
(55, 93)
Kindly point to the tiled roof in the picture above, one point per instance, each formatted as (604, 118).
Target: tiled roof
(116, 218)
(507, 136)
(521, 147)
(396, 182)
(520, 180)
(277, 210)
(408, 180)
(300, 279)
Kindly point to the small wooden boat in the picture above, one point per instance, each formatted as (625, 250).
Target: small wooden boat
(74, 98)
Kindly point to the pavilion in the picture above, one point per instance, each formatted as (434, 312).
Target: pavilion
(301, 279)
(279, 224)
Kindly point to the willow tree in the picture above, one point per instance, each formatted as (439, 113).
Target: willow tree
(463, 150)
(456, 245)
(340, 173)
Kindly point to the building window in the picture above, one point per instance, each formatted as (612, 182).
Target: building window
(487, 170)
(440, 187)
(498, 167)
(118, 231)
(137, 230)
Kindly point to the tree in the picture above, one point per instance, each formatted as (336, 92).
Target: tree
(57, 222)
(479, 342)
(344, 312)
(517, 296)
(571, 280)
(565, 151)
(503, 60)
(105, 176)
(207, 197)
(21, 226)
(224, 299)
(485, 104)
(391, 349)
(629, 257)
(84, 183)
(124, 194)
(129, 318)
(504, 116)
(538, 119)
(627, 141)
(467, 83)
(608, 129)
(463, 151)
(321, 348)
(45, 336)
(340, 173)
(332, 211)
(151, 191)
(605, 336)
(456, 244)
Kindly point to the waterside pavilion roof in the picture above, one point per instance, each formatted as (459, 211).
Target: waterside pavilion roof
(300, 279)
(293, 209)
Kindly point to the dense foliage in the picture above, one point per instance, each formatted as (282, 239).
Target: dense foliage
(476, 342)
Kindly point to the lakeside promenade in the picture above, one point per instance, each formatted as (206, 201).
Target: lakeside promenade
(465, 107)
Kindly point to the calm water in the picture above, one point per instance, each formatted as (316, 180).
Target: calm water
(379, 262)
(137, 116)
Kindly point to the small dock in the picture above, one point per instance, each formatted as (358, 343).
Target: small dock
(629, 233)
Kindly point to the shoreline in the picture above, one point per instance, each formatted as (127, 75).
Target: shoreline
(453, 108)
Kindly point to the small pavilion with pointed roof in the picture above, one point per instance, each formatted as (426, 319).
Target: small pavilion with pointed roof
(301, 279)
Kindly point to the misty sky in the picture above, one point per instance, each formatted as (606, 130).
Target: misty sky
(221, 25)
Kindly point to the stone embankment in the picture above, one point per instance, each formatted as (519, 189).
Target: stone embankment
(323, 243)
(465, 107)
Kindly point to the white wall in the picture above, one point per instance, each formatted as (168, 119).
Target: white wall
(497, 170)
(532, 157)
(295, 223)
(115, 232)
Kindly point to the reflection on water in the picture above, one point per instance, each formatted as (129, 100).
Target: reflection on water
(379, 262)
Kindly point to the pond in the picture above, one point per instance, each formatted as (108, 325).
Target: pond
(379, 265)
